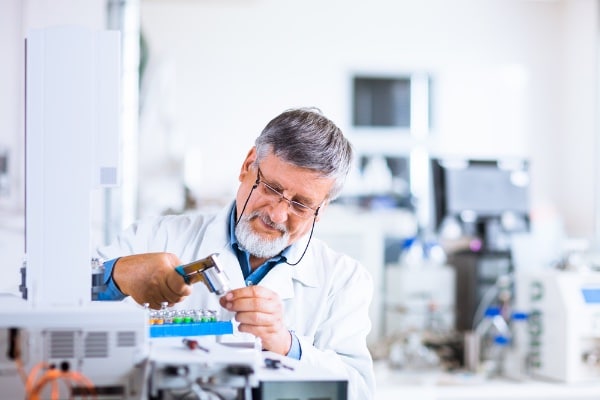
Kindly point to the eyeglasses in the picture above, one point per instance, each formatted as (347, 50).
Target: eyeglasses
(274, 195)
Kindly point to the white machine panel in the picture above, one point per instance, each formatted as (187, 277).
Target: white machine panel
(106, 342)
(72, 98)
(565, 326)
(72, 146)
(413, 293)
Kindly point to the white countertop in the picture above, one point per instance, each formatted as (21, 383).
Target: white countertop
(437, 385)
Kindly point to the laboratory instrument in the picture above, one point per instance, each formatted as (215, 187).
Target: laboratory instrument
(564, 325)
(72, 102)
(206, 270)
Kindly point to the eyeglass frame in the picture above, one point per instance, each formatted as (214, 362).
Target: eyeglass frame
(281, 196)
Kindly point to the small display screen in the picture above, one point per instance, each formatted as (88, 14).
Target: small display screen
(486, 189)
(591, 295)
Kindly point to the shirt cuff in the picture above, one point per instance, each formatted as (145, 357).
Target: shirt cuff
(111, 292)
(295, 350)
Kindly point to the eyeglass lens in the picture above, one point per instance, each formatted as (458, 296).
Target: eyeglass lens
(296, 207)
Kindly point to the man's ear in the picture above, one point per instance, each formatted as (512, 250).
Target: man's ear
(321, 209)
(247, 164)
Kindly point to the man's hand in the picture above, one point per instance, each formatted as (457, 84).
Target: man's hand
(151, 278)
(260, 312)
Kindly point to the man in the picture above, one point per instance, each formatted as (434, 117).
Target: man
(301, 298)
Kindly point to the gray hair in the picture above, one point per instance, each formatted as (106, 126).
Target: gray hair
(306, 138)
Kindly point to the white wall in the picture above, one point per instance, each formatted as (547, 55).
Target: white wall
(512, 77)
(575, 171)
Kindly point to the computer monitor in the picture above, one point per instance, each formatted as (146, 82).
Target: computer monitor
(485, 189)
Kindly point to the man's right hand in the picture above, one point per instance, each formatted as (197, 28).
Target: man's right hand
(151, 278)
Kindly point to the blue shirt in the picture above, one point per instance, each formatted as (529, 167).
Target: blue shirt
(113, 292)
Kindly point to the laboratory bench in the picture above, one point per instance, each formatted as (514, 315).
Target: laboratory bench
(436, 385)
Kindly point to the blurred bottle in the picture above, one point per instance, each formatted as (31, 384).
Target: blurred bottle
(494, 337)
(435, 324)
(377, 177)
(412, 253)
(517, 357)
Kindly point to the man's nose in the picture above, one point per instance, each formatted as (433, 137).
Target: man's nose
(280, 210)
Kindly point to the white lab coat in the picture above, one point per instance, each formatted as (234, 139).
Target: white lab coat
(326, 296)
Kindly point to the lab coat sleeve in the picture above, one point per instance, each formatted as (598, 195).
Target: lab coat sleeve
(340, 343)
(174, 234)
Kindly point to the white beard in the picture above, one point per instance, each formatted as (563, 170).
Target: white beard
(254, 243)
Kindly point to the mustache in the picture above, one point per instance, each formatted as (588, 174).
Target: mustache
(268, 221)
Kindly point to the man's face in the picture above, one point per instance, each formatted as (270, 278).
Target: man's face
(268, 225)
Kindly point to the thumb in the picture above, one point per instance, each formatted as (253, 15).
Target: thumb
(177, 284)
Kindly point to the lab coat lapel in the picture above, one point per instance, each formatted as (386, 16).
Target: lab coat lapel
(279, 280)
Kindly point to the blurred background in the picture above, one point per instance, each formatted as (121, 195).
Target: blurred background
(475, 125)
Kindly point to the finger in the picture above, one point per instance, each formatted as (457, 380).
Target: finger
(255, 304)
(176, 285)
(253, 329)
(255, 318)
(268, 333)
(157, 301)
(167, 295)
(241, 304)
(250, 291)
(226, 301)
(261, 291)
(154, 304)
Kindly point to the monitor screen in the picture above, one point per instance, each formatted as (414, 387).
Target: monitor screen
(487, 188)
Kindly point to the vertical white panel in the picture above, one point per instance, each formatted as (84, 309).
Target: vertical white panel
(65, 108)
(108, 106)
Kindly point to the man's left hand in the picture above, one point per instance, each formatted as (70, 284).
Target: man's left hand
(259, 311)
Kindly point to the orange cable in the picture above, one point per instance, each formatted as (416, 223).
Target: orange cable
(32, 376)
(21, 369)
(46, 377)
(34, 386)
(81, 378)
(55, 391)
